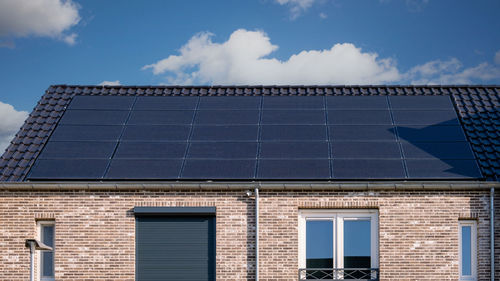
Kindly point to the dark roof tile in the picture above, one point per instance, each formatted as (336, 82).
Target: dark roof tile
(477, 106)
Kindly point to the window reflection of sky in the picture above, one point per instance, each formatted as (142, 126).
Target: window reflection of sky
(319, 239)
(466, 250)
(357, 238)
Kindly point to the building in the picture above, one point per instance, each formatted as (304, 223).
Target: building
(163, 183)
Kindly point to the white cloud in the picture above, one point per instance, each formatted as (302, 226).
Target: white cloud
(110, 83)
(243, 59)
(42, 18)
(323, 15)
(297, 7)
(11, 121)
(451, 72)
(497, 57)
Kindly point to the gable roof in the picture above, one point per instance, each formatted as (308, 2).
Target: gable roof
(477, 108)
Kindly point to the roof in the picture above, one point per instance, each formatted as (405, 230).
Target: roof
(477, 108)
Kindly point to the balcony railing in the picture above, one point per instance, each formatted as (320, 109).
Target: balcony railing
(334, 274)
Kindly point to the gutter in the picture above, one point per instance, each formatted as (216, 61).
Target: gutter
(245, 185)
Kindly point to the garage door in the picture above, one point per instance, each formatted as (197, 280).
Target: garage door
(175, 244)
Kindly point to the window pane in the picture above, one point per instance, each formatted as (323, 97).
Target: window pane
(357, 244)
(48, 235)
(47, 264)
(319, 244)
(47, 257)
(466, 251)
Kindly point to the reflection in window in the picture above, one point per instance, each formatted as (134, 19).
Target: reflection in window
(319, 244)
(47, 257)
(357, 246)
(467, 249)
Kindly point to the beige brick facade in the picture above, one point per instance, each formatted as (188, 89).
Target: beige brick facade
(95, 230)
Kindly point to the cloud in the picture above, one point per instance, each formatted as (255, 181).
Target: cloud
(451, 71)
(110, 83)
(497, 57)
(40, 18)
(297, 7)
(323, 15)
(244, 59)
(10, 124)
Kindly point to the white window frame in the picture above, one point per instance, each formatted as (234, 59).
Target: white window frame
(41, 224)
(338, 216)
(473, 249)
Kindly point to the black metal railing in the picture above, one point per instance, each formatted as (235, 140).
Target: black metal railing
(334, 274)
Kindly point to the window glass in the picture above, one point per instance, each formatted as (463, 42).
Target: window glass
(319, 244)
(466, 251)
(357, 244)
(47, 257)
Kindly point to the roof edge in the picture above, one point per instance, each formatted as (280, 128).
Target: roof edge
(284, 186)
(280, 86)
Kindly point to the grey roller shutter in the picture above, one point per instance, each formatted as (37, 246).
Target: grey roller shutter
(175, 247)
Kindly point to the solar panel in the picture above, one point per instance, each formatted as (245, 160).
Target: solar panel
(101, 102)
(362, 133)
(268, 138)
(150, 150)
(295, 117)
(166, 103)
(425, 117)
(293, 133)
(230, 103)
(293, 102)
(78, 149)
(294, 150)
(68, 169)
(86, 133)
(442, 168)
(368, 102)
(441, 150)
(359, 117)
(421, 102)
(161, 117)
(294, 169)
(94, 117)
(365, 149)
(225, 133)
(431, 133)
(156, 132)
(144, 169)
(224, 150)
(368, 169)
(218, 169)
(229, 117)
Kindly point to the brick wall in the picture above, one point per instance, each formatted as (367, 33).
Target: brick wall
(418, 230)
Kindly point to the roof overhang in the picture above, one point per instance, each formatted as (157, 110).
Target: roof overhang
(235, 185)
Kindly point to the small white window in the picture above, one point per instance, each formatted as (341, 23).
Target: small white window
(467, 236)
(339, 244)
(46, 233)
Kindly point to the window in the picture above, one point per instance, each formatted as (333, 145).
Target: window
(46, 258)
(467, 237)
(341, 244)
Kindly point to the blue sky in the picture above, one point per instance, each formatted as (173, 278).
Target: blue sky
(44, 42)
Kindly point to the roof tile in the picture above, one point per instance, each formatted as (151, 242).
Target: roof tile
(477, 106)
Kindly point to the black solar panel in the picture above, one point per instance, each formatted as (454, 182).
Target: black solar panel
(101, 103)
(94, 117)
(161, 117)
(268, 138)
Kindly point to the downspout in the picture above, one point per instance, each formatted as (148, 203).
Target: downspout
(257, 234)
(492, 232)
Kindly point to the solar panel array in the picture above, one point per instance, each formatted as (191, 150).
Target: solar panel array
(250, 137)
